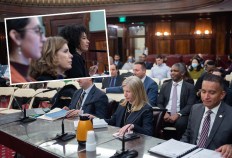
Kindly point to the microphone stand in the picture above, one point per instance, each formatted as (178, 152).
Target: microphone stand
(26, 118)
(65, 136)
(122, 152)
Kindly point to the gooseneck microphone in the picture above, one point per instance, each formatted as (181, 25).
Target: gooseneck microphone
(26, 118)
(65, 136)
(123, 152)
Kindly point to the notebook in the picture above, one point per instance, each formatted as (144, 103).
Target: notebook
(54, 114)
(173, 148)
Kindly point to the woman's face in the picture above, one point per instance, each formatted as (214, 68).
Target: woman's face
(84, 42)
(32, 43)
(128, 94)
(64, 58)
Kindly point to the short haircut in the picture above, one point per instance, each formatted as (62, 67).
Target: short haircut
(160, 56)
(181, 67)
(115, 66)
(141, 63)
(210, 62)
(214, 78)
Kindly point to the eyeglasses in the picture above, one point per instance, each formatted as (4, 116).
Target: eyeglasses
(38, 30)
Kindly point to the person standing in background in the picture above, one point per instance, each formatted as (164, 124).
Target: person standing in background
(78, 44)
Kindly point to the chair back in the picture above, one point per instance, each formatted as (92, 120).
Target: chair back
(55, 84)
(158, 116)
(7, 91)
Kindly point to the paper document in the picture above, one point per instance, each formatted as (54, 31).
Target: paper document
(54, 114)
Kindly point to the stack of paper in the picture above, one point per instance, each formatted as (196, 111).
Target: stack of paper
(54, 114)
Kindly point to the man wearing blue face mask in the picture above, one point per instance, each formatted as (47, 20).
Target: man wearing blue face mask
(129, 64)
(195, 69)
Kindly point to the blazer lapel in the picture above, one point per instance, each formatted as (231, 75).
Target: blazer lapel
(182, 94)
(90, 96)
(198, 117)
(218, 120)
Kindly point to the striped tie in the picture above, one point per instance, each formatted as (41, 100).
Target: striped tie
(205, 130)
(79, 102)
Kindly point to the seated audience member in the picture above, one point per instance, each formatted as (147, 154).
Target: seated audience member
(150, 85)
(55, 60)
(143, 58)
(177, 96)
(89, 99)
(209, 67)
(186, 76)
(25, 41)
(115, 79)
(228, 97)
(209, 122)
(129, 64)
(78, 44)
(229, 69)
(117, 61)
(195, 69)
(160, 70)
(135, 104)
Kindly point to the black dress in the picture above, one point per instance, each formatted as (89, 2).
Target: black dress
(78, 67)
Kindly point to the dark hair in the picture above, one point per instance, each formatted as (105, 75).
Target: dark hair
(160, 56)
(210, 62)
(214, 78)
(72, 34)
(141, 63)
(144, 55)
(198, 67)
(17, 25)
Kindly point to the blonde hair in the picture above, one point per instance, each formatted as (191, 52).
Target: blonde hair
(48, 62)
(136, 87)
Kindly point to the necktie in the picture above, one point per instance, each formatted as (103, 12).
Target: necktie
(112, 82)
(205, 130)
(79, 102)
(174, 99)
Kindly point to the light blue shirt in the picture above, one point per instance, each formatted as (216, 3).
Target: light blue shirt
(160, 71)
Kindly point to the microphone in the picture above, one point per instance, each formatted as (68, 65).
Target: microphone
(26, 118)
(65, 136)
(123, 152)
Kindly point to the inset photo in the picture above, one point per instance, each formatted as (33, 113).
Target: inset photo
(57, 46)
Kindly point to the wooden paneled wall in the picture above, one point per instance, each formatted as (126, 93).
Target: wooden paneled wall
(181, 30)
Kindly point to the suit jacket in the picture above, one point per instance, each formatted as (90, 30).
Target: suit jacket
(106, 81)
(96, 102)
(150, 86)
(149, 65)
(221, 132)
(143, 124)
(187, 97)
(119, 65)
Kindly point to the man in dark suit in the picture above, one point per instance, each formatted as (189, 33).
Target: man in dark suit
(177, 96)
(143, 58)
(89, 99)
(117, 61)
(209, 124)
(115, 79)
(150, 85)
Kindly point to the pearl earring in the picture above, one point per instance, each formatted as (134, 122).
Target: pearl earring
(19, 50)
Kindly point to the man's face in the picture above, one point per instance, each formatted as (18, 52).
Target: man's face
(113, 70)
(176, 74)
(143, 58)
(159, 61)
(85, 83)
(116, 58)
(139, 71)
(211, 94)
